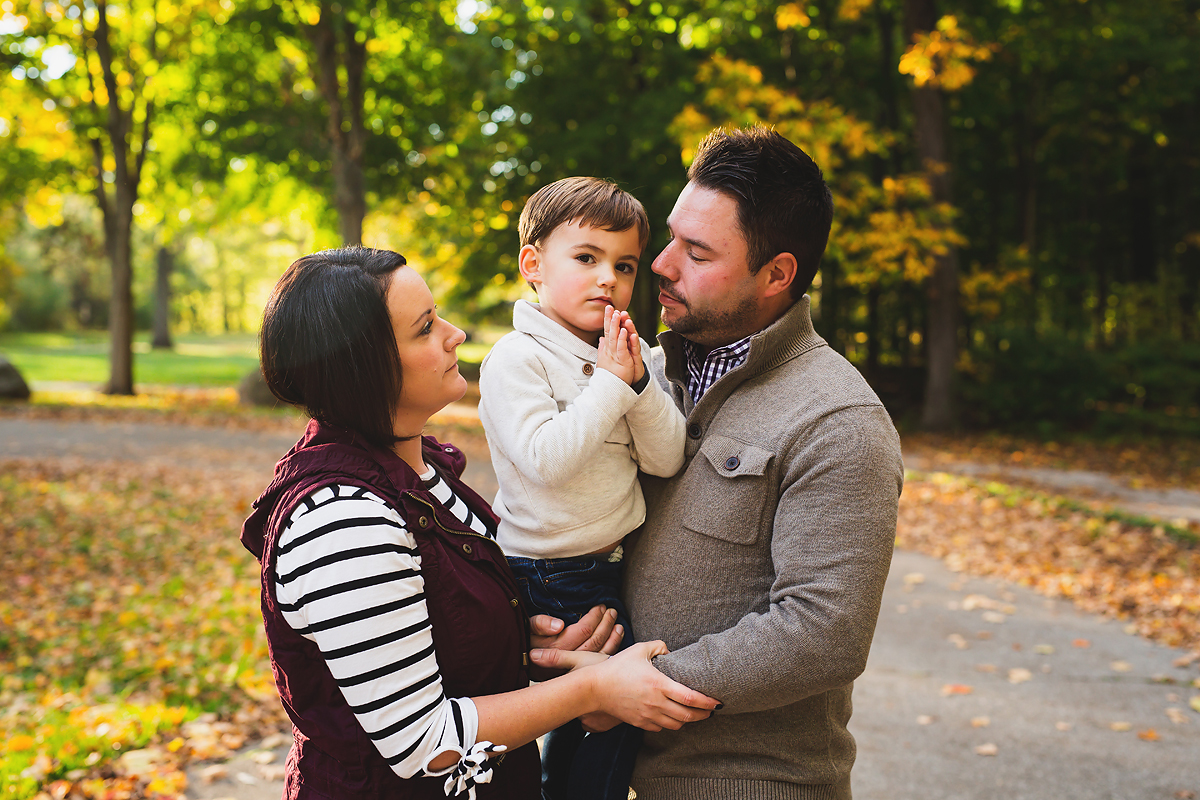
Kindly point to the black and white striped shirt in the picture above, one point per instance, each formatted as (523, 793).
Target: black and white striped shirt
(348, 577)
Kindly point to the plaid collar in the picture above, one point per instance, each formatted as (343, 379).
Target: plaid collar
(703, 374)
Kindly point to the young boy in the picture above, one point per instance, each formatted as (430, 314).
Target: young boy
(571, 414)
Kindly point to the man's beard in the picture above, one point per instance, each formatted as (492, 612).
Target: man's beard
(708, 325)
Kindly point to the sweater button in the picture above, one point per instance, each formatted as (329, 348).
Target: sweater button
(513, 602)
(732, 462)
(467, 549)
(588, 369)
(694, 431)
(423, 522)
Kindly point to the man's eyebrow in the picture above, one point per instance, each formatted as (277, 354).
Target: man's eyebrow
(696, 243)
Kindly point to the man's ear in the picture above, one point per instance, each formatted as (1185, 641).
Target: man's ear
(777, 275)
(529, 264)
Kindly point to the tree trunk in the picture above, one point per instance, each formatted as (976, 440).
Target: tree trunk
(119, 213)
(347, 135)
(164, 265)
(874, 345)
(830, 299)
(941, 343)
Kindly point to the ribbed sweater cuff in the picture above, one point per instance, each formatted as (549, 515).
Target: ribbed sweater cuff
(729, 789)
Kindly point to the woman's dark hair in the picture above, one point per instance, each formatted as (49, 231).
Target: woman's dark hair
(327, 344)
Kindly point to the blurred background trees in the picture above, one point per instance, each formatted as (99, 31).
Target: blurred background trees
(1017, 236)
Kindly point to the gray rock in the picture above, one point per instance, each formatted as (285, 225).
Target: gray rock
(12, 385)
(253, 391)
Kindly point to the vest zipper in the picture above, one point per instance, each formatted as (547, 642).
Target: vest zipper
(433, 513)
(524, 656)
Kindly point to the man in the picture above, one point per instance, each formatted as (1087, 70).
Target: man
(761, 563)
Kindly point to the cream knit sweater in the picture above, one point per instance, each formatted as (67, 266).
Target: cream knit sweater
(567, 440)
(761, 565)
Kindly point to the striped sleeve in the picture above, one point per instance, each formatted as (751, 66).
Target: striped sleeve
(348, 577)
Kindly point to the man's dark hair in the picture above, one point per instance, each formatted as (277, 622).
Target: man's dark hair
(327, 344)
(594, 202)
(783, 203)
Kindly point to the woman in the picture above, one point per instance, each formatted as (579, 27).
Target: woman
(398, 642)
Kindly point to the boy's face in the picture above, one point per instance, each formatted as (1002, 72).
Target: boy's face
(577, 271)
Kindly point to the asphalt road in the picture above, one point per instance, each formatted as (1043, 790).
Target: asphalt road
(975, 689)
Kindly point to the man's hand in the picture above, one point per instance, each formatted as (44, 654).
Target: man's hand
(596, 632)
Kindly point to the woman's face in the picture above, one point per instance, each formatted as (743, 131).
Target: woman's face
(428, 359)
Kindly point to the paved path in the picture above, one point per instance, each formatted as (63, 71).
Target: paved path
(1109, 721)
(1166, 504)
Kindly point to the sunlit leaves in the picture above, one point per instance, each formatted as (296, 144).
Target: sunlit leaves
(888, 229)
(942, 58)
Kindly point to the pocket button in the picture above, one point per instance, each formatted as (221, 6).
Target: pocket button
(732, 462)
(467, 549)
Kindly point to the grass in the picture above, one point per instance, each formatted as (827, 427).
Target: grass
(196, 360)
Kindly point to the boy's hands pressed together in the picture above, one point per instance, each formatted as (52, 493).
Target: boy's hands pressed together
(620, 349)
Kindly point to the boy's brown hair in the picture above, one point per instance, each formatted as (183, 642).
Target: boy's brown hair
(595, 202)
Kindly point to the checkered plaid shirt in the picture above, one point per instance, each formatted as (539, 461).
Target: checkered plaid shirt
(702, 374)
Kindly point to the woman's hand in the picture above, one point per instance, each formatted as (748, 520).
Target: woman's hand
(629, 688)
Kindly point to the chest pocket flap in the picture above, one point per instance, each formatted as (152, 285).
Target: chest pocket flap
(732, 458)
(734, 493)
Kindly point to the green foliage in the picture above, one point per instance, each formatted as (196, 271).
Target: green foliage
(1075, 161)
(1049, 381)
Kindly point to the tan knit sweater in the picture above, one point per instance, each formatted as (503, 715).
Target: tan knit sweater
(761, 564)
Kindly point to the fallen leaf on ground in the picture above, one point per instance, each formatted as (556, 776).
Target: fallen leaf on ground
(985, 667)
(1081, 643)
(1062, 726)
(958, 641)
(988, 749)
(1044, 649)
(1149, 735)
(1019, 675)
(1177, 716)
(925, 719)
(1195, 703)
(272, 772)
(1120, 726)
(1120, 666)
(956, 688)
(994, 617)
(215, 772)
(980, 722)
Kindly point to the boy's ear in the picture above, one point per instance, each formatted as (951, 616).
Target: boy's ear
(529, 264)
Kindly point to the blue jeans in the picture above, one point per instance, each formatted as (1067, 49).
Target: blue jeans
(577, 765)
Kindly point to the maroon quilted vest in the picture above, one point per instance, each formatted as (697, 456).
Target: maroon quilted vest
(480, 630)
